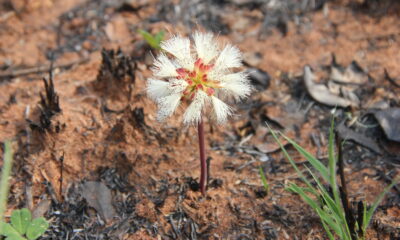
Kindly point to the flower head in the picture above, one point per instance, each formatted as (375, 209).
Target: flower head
(197, 72)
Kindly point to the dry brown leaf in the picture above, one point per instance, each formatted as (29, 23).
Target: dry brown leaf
(98, 196)
(321, 93)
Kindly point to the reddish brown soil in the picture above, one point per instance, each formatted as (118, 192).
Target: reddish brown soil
(87, 139)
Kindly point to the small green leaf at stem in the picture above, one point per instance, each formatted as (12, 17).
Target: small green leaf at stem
(153, 41)
(264, 180)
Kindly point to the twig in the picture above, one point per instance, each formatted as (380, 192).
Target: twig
(360, 217)
(343, 193)
(387, 179)
(40, 69)
(390, 79)
(61, 176)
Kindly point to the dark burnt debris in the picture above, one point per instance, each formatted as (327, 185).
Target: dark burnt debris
(376, 8)
(133, 119)
(137, 120)
(76, 217)
(116, 75)
(49, 106)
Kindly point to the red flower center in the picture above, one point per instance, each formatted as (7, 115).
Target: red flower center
(197, 79)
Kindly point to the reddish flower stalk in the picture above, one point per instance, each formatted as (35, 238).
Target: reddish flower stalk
(203, 163)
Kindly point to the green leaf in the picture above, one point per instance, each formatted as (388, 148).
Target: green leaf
(36, 228)
(311, 159)
(20, 220)
(159, 37)
(153, 41)
(264, 180)
(8, 231)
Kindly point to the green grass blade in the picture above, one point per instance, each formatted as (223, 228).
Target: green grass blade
(5, 174)
(159, 37)
(331, 213)
(150, 39)
(314, 205)
(377, 201)
(327, 218)
(306, 198)
(305, 189)
(328, 231)
(264, 180)
(364, 219)
(332, 165)
(337, 211)
(291, 161)
(311, 159)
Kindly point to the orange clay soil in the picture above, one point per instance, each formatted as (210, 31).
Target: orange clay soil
(90, 138)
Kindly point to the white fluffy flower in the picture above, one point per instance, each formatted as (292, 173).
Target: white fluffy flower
(198, 73)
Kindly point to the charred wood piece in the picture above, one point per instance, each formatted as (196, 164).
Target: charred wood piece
(116, 75)
(49, 106)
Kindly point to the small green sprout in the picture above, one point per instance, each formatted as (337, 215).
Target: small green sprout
(153, 40)
(264, 180)
(23, 225)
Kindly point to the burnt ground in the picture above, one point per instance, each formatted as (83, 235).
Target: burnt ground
(91, 158)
